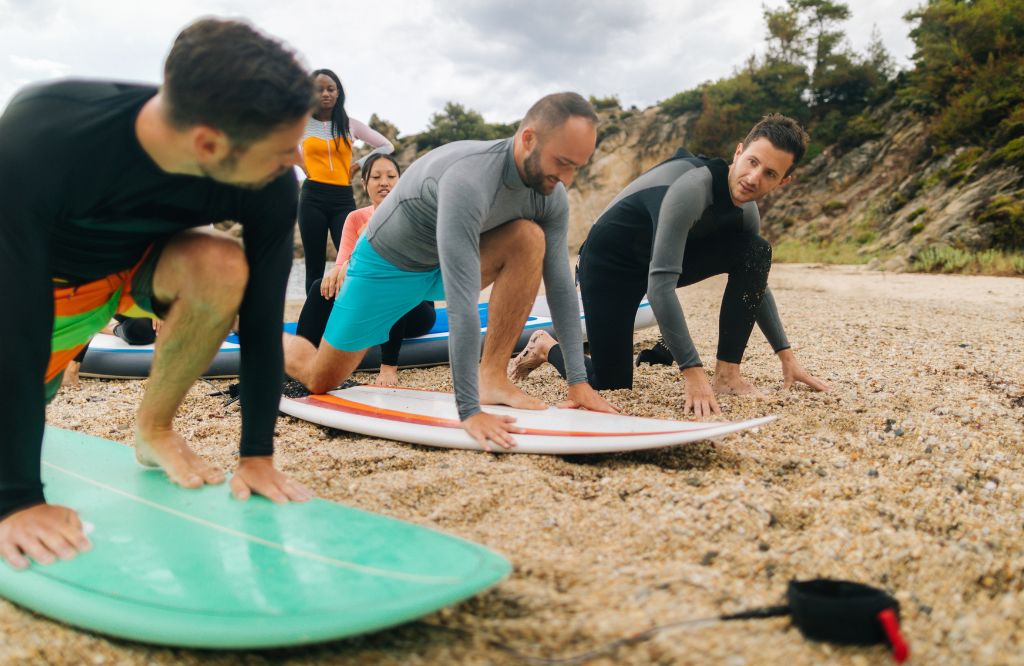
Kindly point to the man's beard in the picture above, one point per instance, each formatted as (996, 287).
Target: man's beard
(534, 177)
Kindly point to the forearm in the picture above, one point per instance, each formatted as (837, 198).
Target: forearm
(669, 314)
(565, 311)
(27, 303)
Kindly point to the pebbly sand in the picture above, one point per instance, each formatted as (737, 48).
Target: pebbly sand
(908, 476)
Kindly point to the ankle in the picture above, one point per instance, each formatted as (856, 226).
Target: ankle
(727, 371)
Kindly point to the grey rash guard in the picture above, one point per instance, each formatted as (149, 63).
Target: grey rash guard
(435, 216)
(685, 197)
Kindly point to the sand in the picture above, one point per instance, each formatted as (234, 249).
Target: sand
(908, 476)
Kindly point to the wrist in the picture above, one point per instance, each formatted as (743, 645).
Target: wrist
(247, 461)
(694, 372)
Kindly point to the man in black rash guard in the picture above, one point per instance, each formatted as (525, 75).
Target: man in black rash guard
(102, 186)
(681, 222)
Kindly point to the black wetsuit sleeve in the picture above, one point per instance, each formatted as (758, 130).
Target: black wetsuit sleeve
(267, 231)
(28, 195)
(768, 319)
(684, 203)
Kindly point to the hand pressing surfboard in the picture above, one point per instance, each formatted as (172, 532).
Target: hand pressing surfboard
(196, 568)
(431, 419)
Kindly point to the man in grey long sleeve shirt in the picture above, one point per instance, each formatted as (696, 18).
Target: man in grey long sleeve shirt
(467, 215)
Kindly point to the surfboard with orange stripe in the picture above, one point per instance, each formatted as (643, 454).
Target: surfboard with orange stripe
(430, 418)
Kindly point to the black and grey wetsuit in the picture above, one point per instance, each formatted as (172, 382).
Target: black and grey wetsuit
(673, 226)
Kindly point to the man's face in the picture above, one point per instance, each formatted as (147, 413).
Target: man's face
(262, 162)
(756, 170)
(558, 155)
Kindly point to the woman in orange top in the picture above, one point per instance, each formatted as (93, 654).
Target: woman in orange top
(326, 197)
(380, 174)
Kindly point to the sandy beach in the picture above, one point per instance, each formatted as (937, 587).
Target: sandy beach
(907, 476)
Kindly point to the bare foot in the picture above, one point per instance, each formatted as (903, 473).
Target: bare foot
(70, 377)
(168, 450)
(533, 355)
(504, 392)
(388, 376)
(727, 385)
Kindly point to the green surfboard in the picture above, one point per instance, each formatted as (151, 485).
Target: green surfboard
(196, 568)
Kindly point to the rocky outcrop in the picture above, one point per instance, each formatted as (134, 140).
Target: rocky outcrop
(888, 196)
(630, 142)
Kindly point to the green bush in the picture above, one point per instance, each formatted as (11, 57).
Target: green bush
(916, 228)
(896, 201)
(606, 130)
(1012, 153)
(684, 102)
(916, 213)
(605, 103)
(945, 259)
(858, 131)
(457, 123)
(833, 207)
(865, 237)
(1005, 215)
(962, 164)
(941, 259)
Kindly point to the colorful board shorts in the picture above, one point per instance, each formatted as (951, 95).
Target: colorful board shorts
(81, 311)
(374, 295)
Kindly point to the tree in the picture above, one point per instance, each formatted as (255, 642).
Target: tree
(457, 123)
(969, 70)
(385, 127)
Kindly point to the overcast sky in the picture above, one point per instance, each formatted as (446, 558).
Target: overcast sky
(403, 59)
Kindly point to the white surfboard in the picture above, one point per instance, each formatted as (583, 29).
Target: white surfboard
(430, 418)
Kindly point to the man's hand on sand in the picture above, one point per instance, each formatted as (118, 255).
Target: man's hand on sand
(257, 474)
(699, 397)
(793, 372)
(484, 428)
(44, 532)
(583, 396)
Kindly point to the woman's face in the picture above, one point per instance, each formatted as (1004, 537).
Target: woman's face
(381, 180)
(326, 92)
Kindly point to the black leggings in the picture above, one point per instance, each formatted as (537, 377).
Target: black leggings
(317, 310)
(612, 295)
(322, 211)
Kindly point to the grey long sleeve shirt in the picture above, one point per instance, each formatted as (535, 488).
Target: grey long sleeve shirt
(435, 216)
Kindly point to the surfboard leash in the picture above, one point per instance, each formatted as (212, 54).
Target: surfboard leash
(827, 610)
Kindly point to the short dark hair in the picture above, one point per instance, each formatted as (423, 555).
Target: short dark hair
(784, 133)
(227, 75)
(553, 110)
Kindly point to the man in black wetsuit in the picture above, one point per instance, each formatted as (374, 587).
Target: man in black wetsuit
(681, 222)
(102, 188)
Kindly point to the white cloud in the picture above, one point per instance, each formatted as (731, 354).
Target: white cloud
(406, 58)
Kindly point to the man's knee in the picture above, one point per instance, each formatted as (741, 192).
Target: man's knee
(528, 233)
(214, 265)
(756, 253)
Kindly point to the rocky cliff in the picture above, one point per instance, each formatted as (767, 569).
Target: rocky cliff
(892, 198)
